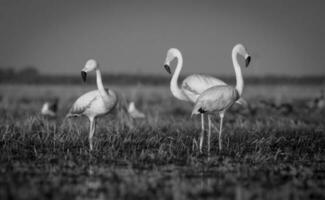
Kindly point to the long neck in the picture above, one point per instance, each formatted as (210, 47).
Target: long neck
(100, 85)
(177, 92)
(239, 76)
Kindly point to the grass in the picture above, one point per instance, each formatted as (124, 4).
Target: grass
(267, 154)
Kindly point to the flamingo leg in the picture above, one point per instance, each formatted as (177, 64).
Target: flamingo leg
(220, 131)
(202, 132)
(91, 132)
(209, 133)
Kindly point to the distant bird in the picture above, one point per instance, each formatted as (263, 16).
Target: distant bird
(134, 112)
(50, 108)
(318, 102)
(219, 98)
(283, 108)
(192, 86)
(321, 102)
(94, 103)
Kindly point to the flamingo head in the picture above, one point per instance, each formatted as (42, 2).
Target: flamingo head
(198, 109)
(243, 52)
(167, 68)
(247, 60)
(90, 65)
(172, 53)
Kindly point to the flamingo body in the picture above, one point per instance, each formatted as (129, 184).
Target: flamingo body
(318, 102)
(91, 104)
(134, 112)
(195, 84)
(50, 108)
(47, 111)
(216, 99)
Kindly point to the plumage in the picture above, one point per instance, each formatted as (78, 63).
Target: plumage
(83, 103)
(321, 103)
(50, 108)
(317, 102)
(91, 104)
(46, 111)
(218, 99)
(94, 103)
(134, 112)
(195, 84)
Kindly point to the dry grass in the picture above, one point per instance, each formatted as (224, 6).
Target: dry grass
(267, 154)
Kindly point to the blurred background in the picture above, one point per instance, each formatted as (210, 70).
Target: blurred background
(47, 43)
(50, 41)
(147, 148)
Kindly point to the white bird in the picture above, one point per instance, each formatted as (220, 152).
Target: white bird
(218, 99)
(134, 112)
(321, 101)
(50, 108)
(192, 86)
(94, 103)
(318, 102)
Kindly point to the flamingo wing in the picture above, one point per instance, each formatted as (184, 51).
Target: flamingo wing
(83, 103)
(195, 84)
(93, 102)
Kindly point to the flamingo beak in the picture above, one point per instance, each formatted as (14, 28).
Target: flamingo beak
(84, 76)
(167, 68)
(247, 60)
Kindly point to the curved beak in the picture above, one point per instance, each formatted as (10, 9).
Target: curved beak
(84, 76)
(167, 68)
(247, 60)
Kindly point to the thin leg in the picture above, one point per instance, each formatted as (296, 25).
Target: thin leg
(202, 132)
(209, 133)
(220, 131)
(91, 132)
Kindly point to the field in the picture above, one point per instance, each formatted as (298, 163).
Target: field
(268, 153)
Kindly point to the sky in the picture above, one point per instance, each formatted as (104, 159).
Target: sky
(57, 37)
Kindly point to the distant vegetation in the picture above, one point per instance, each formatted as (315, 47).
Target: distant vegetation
(30, 75)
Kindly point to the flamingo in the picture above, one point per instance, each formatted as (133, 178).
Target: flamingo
(134, 112)
(94, 103)
(50, 108)
(192, 86)
(318, 102)
(218, 99)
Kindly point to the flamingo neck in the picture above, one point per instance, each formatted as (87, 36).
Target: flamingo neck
(177, 92)
(239, 76)
(131, 106)
(100, 85)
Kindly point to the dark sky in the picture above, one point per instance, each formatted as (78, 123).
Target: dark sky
(58, 36)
